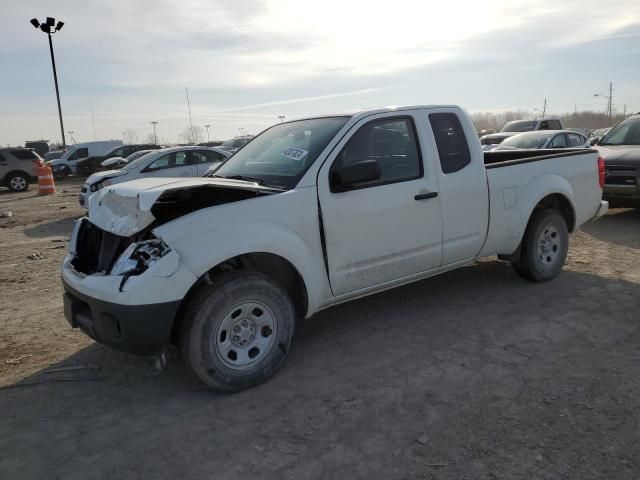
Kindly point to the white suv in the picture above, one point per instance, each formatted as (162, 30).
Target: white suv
(18, 168)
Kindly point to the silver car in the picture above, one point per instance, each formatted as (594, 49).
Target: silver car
(544, 139)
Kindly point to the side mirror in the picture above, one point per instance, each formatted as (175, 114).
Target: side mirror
(594, 141)
(355, 174)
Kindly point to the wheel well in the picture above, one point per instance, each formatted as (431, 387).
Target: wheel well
(562, 204)
(273, 266)
(8, 175)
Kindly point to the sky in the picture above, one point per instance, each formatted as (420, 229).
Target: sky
(247, 61)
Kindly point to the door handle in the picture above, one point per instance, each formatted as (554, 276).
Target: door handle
(426, 196)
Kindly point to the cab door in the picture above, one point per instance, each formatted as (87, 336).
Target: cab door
(172, 164)
(388, 226)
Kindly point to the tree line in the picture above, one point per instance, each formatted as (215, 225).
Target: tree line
(584, 119)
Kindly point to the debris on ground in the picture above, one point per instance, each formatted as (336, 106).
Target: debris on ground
(17, 360)
(6, 214)
(37, 256)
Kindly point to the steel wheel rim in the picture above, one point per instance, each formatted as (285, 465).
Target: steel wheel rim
(549, 246)
(247, 334)
(18, 183)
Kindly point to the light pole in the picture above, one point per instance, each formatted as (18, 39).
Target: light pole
(609, 99)
(155, 137)
(71, 132)
(46, 28)
(207, 127)
(281, 117)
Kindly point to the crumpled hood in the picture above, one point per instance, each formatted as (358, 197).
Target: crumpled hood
(100, 176)
(125, 209)
(620, 154)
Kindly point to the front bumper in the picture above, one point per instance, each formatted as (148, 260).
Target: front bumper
(136, 329)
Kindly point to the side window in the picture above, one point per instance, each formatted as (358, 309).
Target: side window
(170, 160)
(120, 152)
(392, 143)
(2, 159)
(559, 141)
(555, 125)
(24, 154)
(544, 126)
(207, 156)
(80, 153)
(451, 141)
(575, 140)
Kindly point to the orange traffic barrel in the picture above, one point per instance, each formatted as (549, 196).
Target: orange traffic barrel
(46, 186)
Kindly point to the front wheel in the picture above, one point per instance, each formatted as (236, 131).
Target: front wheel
(544, 247)
(236, 332)
(18, 182)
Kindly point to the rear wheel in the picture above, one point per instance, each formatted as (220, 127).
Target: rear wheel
(544, 247)
(18, 182)
(236, 332)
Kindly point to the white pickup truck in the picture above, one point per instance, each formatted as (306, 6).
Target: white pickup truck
(309, 214)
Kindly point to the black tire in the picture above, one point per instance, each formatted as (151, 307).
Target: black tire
(18, 182)
(206, 337)
(544, 247)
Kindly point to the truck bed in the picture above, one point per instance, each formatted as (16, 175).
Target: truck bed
(502, 158)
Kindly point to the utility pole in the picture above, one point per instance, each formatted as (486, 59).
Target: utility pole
(155, 136)
(190, 121)
(610, 100)
(281, 117)
(544, 108)
(46, 28)
(207, 127)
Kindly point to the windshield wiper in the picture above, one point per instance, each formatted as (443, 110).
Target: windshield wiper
(247, 178)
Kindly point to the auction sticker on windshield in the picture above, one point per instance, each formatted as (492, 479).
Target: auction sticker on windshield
(295, 153)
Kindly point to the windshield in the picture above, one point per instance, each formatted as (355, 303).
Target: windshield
(137, 154)
(281, 155)
(520, 126)
(136, 162)
(626, 132)
(526, 141)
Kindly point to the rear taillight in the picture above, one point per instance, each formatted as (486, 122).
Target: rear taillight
(601, 171)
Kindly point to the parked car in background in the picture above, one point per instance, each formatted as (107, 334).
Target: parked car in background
(68, 161)
(487, 131)
(310, 214)
(18, 167)
(40, 146)
(489, 142)
(92, 163)
(546, 139)
(236, 143)
(596, 135)
(167, 162)
(620, 148)
(212, 143)
(53, 155)
(118, 162)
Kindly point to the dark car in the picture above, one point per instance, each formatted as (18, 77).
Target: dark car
(620, 148)
(92, 164)
(41, 147)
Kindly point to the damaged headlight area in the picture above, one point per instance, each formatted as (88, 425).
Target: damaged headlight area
(139, 256)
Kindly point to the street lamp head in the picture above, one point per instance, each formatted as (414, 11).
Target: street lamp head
(51, 21)
(35, 23)
(45, 28)
(59, 26)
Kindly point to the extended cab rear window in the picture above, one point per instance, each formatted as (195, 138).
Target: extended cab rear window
(24, 154)
(453, 149)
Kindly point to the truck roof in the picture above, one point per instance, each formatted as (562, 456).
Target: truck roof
(372, 111)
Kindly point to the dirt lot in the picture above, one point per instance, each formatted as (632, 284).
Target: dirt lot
(476, 374)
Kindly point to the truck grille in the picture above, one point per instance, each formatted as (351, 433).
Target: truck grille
(621, 175)
(97, 250)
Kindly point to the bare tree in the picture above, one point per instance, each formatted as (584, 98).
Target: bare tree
(150, 138)
(193, 134)
(130, 136)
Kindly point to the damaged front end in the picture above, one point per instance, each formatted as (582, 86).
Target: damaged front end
(96, 251)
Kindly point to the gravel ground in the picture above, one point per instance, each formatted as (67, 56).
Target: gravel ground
(475, 374)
